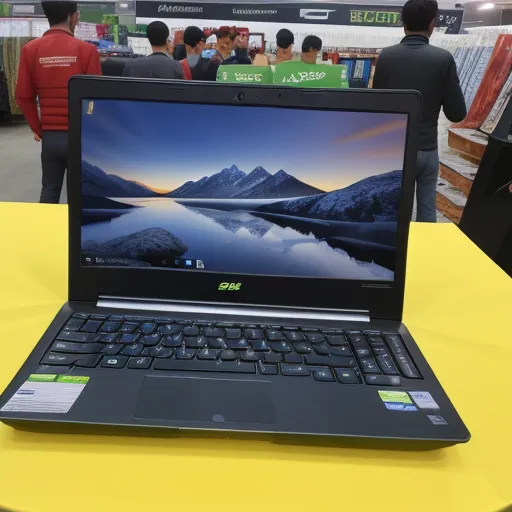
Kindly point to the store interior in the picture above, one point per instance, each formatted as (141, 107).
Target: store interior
(478, 34)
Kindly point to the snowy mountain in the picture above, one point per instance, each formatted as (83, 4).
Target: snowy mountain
(96, 182)
(252, 179)
(217, 185)
(281, 184)
(373, 198)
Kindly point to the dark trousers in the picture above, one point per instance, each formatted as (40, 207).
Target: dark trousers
(54, 161)
(427, 172)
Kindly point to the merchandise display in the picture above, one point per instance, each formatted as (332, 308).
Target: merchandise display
(498, 109)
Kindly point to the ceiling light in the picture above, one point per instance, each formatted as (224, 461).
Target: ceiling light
(486, 7)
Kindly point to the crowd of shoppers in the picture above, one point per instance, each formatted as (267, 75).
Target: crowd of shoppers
(47, 64)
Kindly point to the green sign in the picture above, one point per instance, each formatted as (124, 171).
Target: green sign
(244, 74)
(299, 74)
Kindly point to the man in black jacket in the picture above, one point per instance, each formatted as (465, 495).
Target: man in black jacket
(415, 64)
(159, 64)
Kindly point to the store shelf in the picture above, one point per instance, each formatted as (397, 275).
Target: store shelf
(470, 143)
(457, 171)
(450, 201)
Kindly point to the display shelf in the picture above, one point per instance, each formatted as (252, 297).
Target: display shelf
(471, 143)
(458, 171)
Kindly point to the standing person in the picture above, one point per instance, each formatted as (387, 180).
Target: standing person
(159, 64)
(231, 48)
(310, 48)
(415, 64)
(284, 40)
(195, 66)
(46, 65)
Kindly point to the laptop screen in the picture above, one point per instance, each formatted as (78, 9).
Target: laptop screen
(241, 189)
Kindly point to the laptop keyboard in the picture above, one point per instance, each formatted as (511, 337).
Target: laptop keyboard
(163, 344)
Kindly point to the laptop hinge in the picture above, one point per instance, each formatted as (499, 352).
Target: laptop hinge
(229, 309)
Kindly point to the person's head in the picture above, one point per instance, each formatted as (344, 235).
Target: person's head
(310, 48)
(195, 40)
(225, 41)
(158, 36)
(61, 14)
(420, 16)
(284, 40)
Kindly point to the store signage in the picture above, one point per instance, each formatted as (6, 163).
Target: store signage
(296, 12)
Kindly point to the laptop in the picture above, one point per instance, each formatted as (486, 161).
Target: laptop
(237, 262)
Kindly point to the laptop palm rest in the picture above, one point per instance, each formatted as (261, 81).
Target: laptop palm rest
(203, 399)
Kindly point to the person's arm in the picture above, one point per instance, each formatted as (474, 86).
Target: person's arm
(94, 64)
(26, 94)
(454, 106)
(241, 56)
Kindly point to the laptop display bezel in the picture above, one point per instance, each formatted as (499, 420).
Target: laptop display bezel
(381, 299)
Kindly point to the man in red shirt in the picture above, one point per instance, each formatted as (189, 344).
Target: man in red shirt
(46, 65)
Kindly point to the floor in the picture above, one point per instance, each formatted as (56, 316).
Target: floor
(20, 166)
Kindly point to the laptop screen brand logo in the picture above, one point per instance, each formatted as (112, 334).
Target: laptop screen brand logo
(230, 287)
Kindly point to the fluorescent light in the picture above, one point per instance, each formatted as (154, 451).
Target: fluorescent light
(486, 7)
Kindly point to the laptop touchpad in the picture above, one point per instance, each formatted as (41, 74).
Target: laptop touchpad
(198, 399)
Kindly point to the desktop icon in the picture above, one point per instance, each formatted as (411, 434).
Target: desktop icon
(188, 263)
(199, 264)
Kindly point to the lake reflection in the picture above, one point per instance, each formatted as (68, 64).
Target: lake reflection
(236, 241)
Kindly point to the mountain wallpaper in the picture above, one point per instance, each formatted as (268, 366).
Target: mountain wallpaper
(318, 201)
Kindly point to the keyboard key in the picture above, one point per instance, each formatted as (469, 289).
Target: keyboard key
(150, 340)
(342, 362)
(116, 317)
(322, 349)
(208, 353)
(128, 339)
(336, 340)
(238, 344)
(228, 355)
(80, 337)
(260, 346)
(132, 350)
(294, 336)
(161, 352)
(216, 343)
(309, 329)
(254, 334)
(114, 361)
(83, 316)
(295, 369)
(51, 369)
(140, 363)
(98, 317)
(267, 369)
(173, 341)
(250, 355)
(185, 353)
(191, 330)
(195, 342)
(273, 335)
(375, 340)
(315, 337)
(362, 352)
(347, 376)
(107, 337)
(233, 334)
(76, 348)
(59, 359)
(317, 360)
(148, 328)
(302, 347)
(90, 361)
(224, 324)
(273, 357)
(402, 357)
(357, 338)
(214, 332)
(377, 350)
(128, 327)
(112, 349)
(166, 329)
(332, 331)
(341, 351)
(74, 324)
(110, 326)
(323, 375)
(382, 380)
(205, 366)
(280, 346)
(387, 365)
(294, 358)
(91, 326)
(369, 365)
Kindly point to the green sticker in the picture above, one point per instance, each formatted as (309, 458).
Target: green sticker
(72, 379)
(42, 377)
(395, 397)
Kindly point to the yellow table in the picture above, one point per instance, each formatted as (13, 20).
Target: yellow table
(458, 308)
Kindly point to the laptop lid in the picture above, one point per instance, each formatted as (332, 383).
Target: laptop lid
(238, 194)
